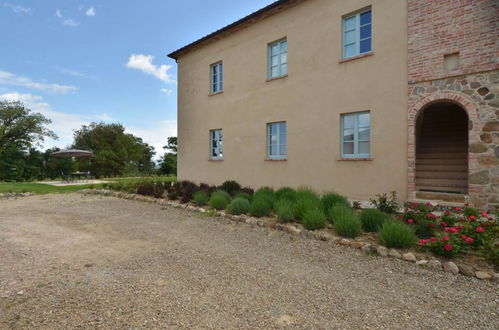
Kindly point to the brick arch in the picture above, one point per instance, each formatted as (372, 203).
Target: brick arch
(462, 100)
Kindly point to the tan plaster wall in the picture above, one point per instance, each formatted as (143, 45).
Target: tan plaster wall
(311, 99)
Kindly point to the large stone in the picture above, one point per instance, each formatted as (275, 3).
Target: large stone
(434, 263)
(494, 103)
(409, 257)
(451, 267)
(479, 178)
(382, 251)
(491, 126)
(477, 148)
(483, 275)
(488, 160)
(466, 270)
(496, 151)
(487, 138)
(369, 249)
(395, 254)
(483, 91)
(475, 84)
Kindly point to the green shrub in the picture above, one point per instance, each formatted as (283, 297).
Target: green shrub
(372, 220)
(244, 195)
(285, 193)
(306, 200)
(219, 200)
(260, 207)
(329, 200)
(385, 203)
(201, 198)
(145, 188)
(284, 210)
(314, 219)
(396, 234)
(232, 187)
(265, 193)
(346, 223)
(239, 206)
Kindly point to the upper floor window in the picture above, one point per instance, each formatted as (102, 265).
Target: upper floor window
(278, 59)
(216, 137)
(357, 34)
(276, 140)
(356, 135)
(216, 80)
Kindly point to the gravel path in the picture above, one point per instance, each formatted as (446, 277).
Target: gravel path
(74, 261)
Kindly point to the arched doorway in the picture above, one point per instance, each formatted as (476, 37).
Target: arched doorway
(442, 149)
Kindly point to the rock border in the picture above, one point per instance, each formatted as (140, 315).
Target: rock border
(321, 235)
(15, 195)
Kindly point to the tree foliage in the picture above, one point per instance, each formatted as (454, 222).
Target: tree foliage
(116, 153)
(168, 163)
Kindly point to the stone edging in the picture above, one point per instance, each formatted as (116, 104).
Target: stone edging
(322, 235)
(15, 195)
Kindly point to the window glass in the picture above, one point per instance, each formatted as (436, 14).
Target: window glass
(356, 135)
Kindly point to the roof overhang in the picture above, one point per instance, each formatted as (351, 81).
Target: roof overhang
(259, 15)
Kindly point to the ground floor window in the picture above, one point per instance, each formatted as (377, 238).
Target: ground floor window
(216, 137)
(356, 135)
(276, 140)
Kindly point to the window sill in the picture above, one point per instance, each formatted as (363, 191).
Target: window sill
(356, 57)
(215, 159)
(217, 93)
(276, 159)
(277, 78)
(360, 159)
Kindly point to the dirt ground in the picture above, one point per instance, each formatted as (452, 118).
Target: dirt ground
(75, 261)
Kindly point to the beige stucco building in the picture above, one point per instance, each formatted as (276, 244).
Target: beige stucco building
(309, 93)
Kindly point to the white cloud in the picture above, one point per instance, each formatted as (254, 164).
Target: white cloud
(71, 72)
(63, 123)
(67, 21)
(156, 135)
(144, 63)
(17, 8)
(90, 11)
(8, 78)
(167, 91)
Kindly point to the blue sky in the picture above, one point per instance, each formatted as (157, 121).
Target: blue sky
(83, 61)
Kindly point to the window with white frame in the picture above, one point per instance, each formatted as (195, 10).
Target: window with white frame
(278, 59)
(357, 34)
(276, 140)
(216, 81)
(216, 138)
(356, 135)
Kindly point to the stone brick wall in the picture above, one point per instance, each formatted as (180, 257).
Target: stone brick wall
(437, 28)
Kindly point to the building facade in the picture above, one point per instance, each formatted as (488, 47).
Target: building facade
(315, 93)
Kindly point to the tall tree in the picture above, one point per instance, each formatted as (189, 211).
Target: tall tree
(168, 163)
(116, 152)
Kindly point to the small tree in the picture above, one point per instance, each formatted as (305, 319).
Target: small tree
(168, 164)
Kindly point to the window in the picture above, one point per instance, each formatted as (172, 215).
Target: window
(216, 137)
(278, 59)
(357, 34)
(217, 85)
(356, 135)
(276, 140)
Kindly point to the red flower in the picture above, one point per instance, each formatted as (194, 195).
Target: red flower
(448, 247)
(464, 237)
(423, 242)
(484, 214)
(479, 229)
(448, 229)
(472, 218)
(410, 221)
(431, 215)
(445, 238)
(469, 240)
(428, 204)
(458, 209)
(462, 219)
(443, 224)
(431, 225)
(414, 205)
(433, 239)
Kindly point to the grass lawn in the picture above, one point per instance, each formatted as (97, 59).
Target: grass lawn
(40, 188)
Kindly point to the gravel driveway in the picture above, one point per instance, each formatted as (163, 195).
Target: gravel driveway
(74, 261)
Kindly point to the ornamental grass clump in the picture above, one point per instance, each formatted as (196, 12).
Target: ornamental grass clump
(346, 224)
(331, 199)
(239, 206)
(266, 194)
(285, 193)
(372, 220)
(201, 198)
(244, 195)
(284, 210)
(395, 234)
(260, 207)
(314, 219)
(306, 200)
(219, 200)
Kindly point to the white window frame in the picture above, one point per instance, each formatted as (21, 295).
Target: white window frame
(357, 29)
(280, 64)
(216, 78)
(216, 134)
(279, 142)
(356, 140)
